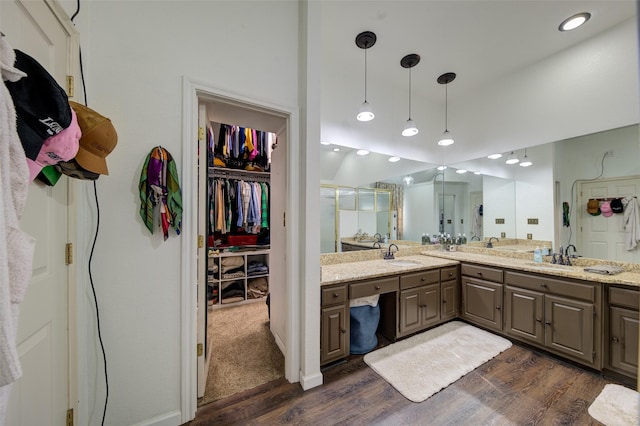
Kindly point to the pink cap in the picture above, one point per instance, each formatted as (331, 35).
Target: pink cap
(61, 147)
(605, 209)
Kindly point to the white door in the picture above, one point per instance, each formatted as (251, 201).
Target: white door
(604, 237)
(203, 345)
(43, 394)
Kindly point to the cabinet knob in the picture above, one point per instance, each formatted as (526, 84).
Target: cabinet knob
(498, 307)
(336, 295)
(543, 285)
(343, 330)
(480, 274)
(538, 320)
(423, 279)
(450, 274)
(547, 322)
(615, 339)
(378, 287)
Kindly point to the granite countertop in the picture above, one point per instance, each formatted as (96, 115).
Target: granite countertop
(630, 276)
(351, 271)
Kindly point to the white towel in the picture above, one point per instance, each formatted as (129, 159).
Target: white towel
(631, 222)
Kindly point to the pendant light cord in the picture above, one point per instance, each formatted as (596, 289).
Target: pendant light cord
(365, 73)
(409, 93)
(446, 108)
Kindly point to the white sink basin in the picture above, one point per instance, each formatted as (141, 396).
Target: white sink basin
(398, 262)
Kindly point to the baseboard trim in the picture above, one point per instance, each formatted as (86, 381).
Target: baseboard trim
(311, 381)
(172, 418)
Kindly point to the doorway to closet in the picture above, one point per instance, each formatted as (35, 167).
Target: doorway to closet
(245, 322)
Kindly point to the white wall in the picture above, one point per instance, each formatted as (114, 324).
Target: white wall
(498, 202)
(419, 211)
(135, 54)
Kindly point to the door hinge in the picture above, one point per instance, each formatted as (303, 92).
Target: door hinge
(70, 86)
(68, 253)
(284, 219)
(70, 417)
(200, 241)
(200, 133)
(200, 349)
(593, 356)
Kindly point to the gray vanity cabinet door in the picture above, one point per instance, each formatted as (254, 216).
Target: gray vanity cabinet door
(569, 326)
(623, 344)
(524, 314)
(482, 302)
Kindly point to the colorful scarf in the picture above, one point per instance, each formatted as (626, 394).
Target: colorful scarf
(159, 185)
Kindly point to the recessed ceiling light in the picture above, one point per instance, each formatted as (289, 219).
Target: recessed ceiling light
(461, 171)
(336, 149)
(394, 159)
(574, 21)
(362, 152)
(325, 143)
(494, 156)
(442, 167)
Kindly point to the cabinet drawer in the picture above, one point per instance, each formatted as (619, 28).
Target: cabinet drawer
(369, 288)
(544, 284)
(624, 297)
(481, 272)
(334, 295)
(419, 278)
(450, 273)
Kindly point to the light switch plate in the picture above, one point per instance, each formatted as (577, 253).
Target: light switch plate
(529, 236)
(532, 221)
(499, 221)
(503, 235)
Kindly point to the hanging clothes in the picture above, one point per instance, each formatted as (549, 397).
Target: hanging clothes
(631, 222)
(159, 186)
(16, 247)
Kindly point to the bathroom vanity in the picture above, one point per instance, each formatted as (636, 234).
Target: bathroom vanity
(586, 318)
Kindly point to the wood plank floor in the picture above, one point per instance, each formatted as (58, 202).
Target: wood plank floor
(518, 387)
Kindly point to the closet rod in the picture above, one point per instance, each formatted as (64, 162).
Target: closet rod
(239, 174)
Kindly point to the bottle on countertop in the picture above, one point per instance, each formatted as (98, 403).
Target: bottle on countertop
(424, 239)
(545, 250)
(537, 255)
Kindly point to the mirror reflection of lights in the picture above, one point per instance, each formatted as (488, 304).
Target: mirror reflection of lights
(408, 180)
(394, 159)
(336, 149)
(494, 156)
(362, 152)
(442, 167)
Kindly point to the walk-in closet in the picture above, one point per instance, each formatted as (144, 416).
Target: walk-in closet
(241, 177)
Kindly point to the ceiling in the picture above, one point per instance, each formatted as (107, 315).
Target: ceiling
(496, 48)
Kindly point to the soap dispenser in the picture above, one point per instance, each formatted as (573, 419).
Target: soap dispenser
(537, 255)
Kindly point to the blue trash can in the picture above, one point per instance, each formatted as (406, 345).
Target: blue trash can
(364, 323)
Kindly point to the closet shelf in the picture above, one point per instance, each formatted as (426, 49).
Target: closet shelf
(218, 172)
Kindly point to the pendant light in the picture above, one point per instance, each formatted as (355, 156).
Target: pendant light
(410, 61)
(446, 138)
(512, 158)
(525, 160)
(364, 41)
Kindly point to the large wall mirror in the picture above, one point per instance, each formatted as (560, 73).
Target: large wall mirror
(546, 200)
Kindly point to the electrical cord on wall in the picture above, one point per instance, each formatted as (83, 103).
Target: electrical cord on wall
(576, 200)
(93, 245)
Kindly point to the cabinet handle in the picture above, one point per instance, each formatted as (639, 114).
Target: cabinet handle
(615, 339)
(343, 330)
(547, 322)
(378, 287)
(450, 274)
(543, 285)
(538, 320)
(498, 307)
(479, 273)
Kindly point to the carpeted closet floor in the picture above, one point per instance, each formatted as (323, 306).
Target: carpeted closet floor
(244, 352)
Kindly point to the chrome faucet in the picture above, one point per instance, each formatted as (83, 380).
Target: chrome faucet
(389, 254)
(490, 244)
